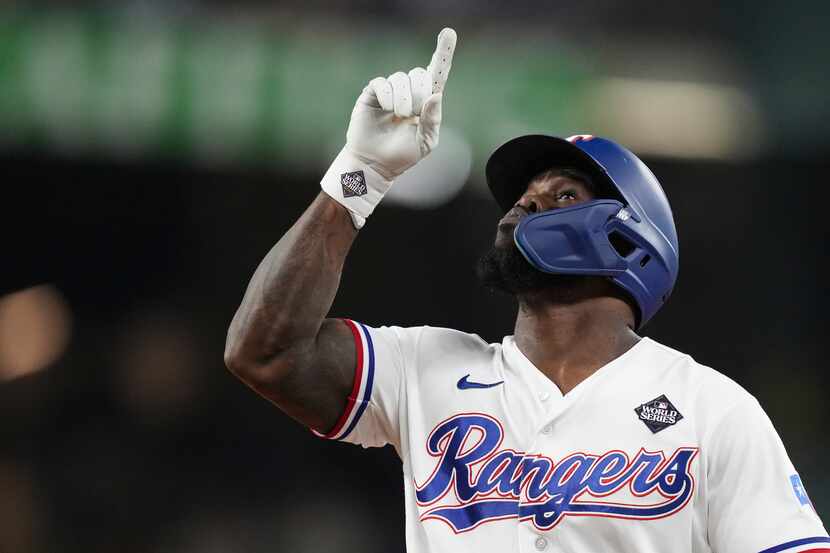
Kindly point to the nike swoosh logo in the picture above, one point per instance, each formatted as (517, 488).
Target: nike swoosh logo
(464, 384)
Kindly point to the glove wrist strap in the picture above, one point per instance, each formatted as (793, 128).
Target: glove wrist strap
(355, 185)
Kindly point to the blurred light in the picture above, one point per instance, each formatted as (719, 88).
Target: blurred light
(340, 524)
(157, 367)
(439, 177)
(133, 99)
(55, 70)
(17, 509)
(677, 119)
(333, 525)
(34, 331)
(228, 70)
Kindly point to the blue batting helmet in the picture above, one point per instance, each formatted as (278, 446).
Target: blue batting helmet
(626, 234)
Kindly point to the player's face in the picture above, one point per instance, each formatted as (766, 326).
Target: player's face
(503, 267)
(548, 191)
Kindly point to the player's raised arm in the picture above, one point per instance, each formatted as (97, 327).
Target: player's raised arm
(280, 342)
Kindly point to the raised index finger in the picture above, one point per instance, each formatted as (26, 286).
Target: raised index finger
(439, 67)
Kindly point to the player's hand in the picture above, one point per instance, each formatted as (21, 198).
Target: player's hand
(396, 120)
(395, 123)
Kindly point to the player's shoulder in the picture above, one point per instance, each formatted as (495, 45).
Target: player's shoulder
(454, 335)
(437, 340)
(441, 338)
(710, 386)
(430, 350)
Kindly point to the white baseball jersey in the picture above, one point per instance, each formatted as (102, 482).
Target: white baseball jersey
(653, 453)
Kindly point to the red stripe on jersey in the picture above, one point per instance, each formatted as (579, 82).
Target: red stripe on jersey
(358, 377)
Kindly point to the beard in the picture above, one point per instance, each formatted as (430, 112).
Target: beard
(504, 269)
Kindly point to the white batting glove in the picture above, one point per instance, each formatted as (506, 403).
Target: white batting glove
(395, 124)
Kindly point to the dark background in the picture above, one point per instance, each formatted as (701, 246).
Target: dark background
(133, 436)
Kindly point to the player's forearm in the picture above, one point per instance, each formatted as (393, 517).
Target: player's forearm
(292, 290)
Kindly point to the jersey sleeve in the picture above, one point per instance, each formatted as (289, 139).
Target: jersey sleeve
(371, 417)
(756, 500)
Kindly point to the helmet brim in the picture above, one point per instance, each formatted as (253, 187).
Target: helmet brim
(515, 162)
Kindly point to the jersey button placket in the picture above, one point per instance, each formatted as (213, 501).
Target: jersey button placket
(540, 543)
(554, 412)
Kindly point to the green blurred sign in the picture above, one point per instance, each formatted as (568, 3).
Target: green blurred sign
(247, 92)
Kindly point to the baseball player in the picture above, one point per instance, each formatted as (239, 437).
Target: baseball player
(572, 435)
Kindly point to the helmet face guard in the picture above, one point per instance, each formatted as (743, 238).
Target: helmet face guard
(629, 237)
(572, 240)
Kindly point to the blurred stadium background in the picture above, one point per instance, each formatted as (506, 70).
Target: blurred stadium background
(151, 152)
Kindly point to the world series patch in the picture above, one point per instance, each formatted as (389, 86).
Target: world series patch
(354, 184)
(658, 414)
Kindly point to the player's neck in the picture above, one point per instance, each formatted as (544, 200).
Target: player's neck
(569, 342)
